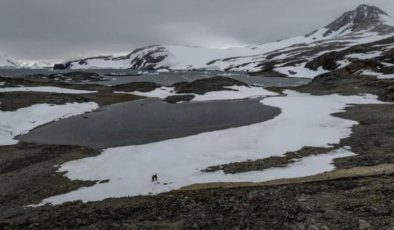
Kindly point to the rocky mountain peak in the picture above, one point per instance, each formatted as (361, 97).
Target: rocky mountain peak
(364, 17)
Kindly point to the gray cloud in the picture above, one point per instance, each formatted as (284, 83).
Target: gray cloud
(59, 29)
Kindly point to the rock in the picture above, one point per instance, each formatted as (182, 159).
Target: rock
(137, 86)
(205, 85)
(364, 225)
(179, 98)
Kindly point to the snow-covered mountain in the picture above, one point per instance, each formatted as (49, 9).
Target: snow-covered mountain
(7, 63)
(365, 24)
(36, 65)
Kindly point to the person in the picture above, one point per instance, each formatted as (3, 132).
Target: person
(154, 177)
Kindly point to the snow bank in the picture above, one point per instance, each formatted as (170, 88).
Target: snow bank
(300, 71)
(364, 56)
(46, 89)
(234, 93)
(23, 120)
(305, 121)
(377, 75)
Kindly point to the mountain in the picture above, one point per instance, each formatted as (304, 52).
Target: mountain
(290, 57)
(7, 63)
(36, 65)
(362, 20)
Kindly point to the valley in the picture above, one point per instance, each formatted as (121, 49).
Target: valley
(293, 134)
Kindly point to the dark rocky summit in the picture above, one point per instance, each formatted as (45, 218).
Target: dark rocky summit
(362, 18)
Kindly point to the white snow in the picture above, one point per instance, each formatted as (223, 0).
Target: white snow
(378, 75)
(46, 89)
(234, 93)
(305, 121)
(387, 64)
(23, 120)
(300, 71)
(6, 62)
(163, 71)
(363, 56)
(342, 63)
(237, 92)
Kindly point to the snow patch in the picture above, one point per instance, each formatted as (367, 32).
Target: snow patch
(364, 56)
(23, 120)
(178, 162)
(376, 74)
(300, 71)
(233, 93)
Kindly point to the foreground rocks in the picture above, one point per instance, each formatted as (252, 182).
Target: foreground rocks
(355, 203)
(344, 83)
(28, 173)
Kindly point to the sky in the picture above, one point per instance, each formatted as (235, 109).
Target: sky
(55, 30)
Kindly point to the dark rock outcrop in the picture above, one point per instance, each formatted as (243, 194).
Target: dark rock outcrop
(136, 86)
(203, 86)
(179, 98)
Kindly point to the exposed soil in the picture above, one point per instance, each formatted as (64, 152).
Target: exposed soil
(28, 173)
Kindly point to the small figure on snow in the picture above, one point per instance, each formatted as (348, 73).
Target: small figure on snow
(154, 177)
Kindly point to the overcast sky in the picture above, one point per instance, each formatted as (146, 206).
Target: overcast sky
(62, 29)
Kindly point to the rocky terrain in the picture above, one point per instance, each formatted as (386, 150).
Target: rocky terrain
(358, 199)
(352, 203)
(359, 194)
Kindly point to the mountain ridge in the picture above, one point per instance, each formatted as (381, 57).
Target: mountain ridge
(365, 24)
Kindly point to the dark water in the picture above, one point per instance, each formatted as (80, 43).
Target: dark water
(150, 120)
(115, 76)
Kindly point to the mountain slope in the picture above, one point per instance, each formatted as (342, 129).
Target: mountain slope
(365, 24)
(5, 62)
